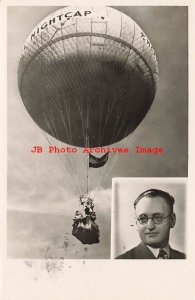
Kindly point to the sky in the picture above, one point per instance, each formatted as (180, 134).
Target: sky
(39, 185)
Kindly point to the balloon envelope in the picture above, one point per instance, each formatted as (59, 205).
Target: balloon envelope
(88, 76)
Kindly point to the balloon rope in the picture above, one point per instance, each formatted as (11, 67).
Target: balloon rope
(49, 121)
(112, 103)
(67, 160)
(57, 95)
(113, 160)
(65, 166)
(125, 117)
(87, 143)
(111, 163)
(73, 168)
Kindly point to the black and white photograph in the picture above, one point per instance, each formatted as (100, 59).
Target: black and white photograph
(149, 218)
(97, 149)
(108, 91)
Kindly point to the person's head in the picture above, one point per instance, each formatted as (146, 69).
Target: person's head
(154, 217)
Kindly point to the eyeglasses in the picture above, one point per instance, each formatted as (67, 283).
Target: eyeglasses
(157, 219)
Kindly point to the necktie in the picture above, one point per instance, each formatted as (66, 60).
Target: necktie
(162, 254)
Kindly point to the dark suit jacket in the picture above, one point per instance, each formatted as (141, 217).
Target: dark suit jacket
(142, 252)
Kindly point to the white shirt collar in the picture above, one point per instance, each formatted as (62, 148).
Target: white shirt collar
(155, 251)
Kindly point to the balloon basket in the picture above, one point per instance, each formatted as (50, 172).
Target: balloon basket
(85, 229)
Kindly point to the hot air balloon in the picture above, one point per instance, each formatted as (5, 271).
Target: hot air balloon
(88, 76)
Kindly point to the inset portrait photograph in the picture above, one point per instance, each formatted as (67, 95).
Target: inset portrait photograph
(148, 218)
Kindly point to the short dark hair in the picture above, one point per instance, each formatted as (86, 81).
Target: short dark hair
(151, 193)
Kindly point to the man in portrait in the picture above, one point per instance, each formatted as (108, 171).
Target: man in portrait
(154, 218)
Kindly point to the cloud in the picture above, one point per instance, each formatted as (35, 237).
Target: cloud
(58, 201)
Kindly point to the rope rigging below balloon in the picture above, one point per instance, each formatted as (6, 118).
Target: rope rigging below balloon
(67, 162)
(108, 168)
